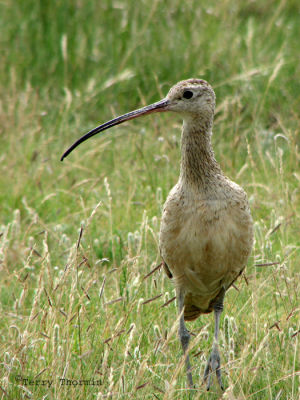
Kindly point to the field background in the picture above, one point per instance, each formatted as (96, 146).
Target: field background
(77, 238)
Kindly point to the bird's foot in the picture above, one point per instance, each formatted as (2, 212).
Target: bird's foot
(213, 365)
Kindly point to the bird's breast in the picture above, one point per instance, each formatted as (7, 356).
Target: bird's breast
(205, 241)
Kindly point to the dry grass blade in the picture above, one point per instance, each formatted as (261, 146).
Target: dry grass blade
(168, 302)
(142, 386)
(152, 299)
(154, 270)
(268, 264)
(80, 236)
(114, 301)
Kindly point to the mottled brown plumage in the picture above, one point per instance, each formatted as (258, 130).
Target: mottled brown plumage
(206, 230)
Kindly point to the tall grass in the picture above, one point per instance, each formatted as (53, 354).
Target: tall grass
(77, 239)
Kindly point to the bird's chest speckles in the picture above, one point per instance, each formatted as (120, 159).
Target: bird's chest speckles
(192, 212)
(189, 222)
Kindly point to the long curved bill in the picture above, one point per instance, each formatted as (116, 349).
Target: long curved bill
(159, 106)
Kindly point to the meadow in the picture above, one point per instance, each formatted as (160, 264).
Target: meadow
(81, 315)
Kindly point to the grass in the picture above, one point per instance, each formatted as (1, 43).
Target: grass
(78, 238)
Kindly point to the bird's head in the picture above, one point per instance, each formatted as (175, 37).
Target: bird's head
(193, 99)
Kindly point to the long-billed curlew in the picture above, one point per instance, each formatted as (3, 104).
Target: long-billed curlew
(206, 230)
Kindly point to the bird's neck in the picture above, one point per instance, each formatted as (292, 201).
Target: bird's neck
(198, 164)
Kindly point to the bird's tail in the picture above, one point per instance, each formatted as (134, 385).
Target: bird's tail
(191, 312)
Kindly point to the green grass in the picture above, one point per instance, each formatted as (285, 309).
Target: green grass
(73, 308)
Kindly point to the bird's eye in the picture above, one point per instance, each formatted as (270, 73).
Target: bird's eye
(187, 94)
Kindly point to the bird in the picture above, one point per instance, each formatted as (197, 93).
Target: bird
(206, 232)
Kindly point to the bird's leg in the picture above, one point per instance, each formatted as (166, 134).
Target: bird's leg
(184, 336)
(214, 361)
